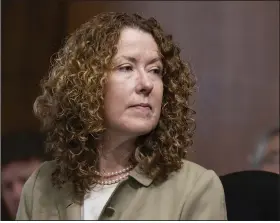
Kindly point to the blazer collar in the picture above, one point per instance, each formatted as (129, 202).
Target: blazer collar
(71, 210)
(139, 176)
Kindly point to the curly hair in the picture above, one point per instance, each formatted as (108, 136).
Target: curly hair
(71, 103)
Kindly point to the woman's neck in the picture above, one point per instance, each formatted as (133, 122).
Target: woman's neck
(116, 151)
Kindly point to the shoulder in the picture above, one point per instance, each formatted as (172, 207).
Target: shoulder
(203, 190)
(40, 180)
(44, 172)
(193, 172)
(47, 168)
(37, 192)
(197, 179)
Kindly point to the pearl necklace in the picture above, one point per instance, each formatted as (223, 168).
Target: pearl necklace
(111, 174)
(109, 182)
(122, 174)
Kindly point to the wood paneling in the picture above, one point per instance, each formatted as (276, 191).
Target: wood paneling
(31, 33)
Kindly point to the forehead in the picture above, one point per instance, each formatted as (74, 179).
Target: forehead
(135, 41)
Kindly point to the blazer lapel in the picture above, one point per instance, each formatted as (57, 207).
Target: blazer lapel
(67, 208)
(73, 212)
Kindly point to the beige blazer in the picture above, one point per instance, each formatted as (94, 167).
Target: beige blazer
(193, 193)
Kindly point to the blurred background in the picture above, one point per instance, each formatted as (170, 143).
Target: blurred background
(233, 48)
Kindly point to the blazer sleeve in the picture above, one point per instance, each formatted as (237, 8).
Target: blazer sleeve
(206, 200)
(26, 200)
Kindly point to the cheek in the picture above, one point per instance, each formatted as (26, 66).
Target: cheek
(159, 94)
(115, 99)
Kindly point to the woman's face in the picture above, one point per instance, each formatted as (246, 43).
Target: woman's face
(133, 93)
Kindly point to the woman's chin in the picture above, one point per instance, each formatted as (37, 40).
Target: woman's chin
(139, 128)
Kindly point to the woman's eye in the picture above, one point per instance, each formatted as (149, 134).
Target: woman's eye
(157, 71)
(125, 68)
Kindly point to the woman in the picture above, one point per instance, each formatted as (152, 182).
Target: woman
(116, 110)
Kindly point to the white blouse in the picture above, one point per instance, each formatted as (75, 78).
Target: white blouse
(96, 200)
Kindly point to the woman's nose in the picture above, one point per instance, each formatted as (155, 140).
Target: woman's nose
(144, 84)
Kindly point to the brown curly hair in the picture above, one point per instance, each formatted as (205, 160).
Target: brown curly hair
(70, 107)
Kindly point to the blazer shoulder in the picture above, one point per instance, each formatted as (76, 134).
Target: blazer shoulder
(46, 169)
(194, 167)
(205, 192)
(38, 183)
(41, 175)
(193, 174)
(44, 174)
(191, 171)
